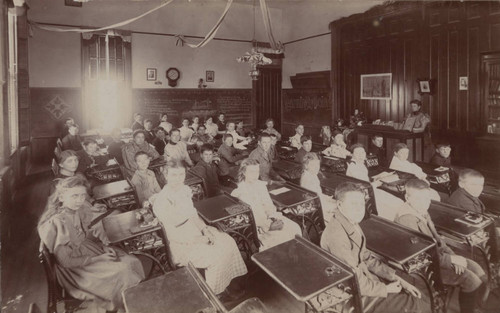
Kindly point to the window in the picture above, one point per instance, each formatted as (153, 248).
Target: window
(98, 50)
(12, 84)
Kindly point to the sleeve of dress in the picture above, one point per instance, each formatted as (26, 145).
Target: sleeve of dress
(376, 266)
(55, 236)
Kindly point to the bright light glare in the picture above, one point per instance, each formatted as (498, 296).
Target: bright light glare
(108, 104)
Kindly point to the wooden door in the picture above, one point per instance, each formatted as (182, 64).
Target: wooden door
(267, 97)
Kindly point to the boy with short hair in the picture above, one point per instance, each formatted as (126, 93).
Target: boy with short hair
(144, 179)
(344, 238)
(455, 269)
(207, 170)
(470, 187)
(442, 155)
(306, 147)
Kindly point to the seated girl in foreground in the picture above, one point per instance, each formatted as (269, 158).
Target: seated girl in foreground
(190, 240)
(310, 181)
(337, 147)
(272, 227)
(387, 204)
(86, 267)
(400, 162)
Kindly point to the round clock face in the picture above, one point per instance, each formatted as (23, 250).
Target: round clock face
(173, 73)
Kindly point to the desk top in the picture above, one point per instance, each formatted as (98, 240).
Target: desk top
(300, 267)
(293, 196)
(284, 165)
(404, 243)
(103, 167)
(177, 291)
(332, 180)
(157, 163)
(430, 169)
(219, 207)
(117, 227)
(111, 189)
(444, 217)
(192, 179)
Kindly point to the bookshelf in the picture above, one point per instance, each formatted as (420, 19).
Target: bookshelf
(490, 91)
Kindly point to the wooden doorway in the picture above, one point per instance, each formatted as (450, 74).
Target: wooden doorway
(267, 97)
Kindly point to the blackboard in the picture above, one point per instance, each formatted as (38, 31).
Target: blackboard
(310, 107)
(180, 103)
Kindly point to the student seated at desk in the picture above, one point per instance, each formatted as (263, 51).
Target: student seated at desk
(310, 181)
(72, 140)
(295, 139)
(262, 155)
(167, 126)
(86, 267)
(376, 147)
(337, 147)
(144, 180)
(272, 227)
(387, 204)
(344, 238)
(67, 123)
(160, 140)
(455, 269)
(148, 131)
(240, 129)
(270, 129)
(67, 167)
(137, 122)
(211, 128)
(207, 169)
(400, 162)
(442, 155)
(176, 150)
(201, 135)
(185, 131)
(89, 157)
(239, 142)
(326, 135)
(115, 147)
(306, 147)
(273, 151)
(229, 156)
(190, 239)
(196, 123)
(137, 144)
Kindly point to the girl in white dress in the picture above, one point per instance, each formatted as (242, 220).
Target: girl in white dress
(387, 204)
(310, 181)
(338, 147)
(251, 190)
(295, 140)
(190, 239)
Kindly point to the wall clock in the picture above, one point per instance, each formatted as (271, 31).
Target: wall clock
(173, 75)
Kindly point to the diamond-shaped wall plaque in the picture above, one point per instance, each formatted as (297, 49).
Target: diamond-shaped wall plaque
(57, 107)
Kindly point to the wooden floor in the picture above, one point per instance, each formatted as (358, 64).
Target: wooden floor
(23, 280)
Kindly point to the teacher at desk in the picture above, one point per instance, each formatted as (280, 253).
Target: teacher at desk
(417, 122)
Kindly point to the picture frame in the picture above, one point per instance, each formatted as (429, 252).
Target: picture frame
(463, 83)
(72, 3)
(151, 74)
(210, 76)
(376, 86)
(426, 86)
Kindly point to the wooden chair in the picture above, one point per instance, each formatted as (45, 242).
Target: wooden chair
(57, 152)
(56, 292)
(59, 144)
(55, 167)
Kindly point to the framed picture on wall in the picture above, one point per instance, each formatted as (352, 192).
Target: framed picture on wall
(464, 83)
(210, 76)
(376, 86)
(151, 74)
(424, 86)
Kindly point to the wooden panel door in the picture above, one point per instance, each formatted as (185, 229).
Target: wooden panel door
(267, 97)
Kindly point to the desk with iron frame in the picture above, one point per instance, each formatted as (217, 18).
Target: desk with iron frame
(409, 251)
(301, 206)
(183, 290)
(311, 275)
(466, 236)
(233, 217)
(289, 170)
(150, 242)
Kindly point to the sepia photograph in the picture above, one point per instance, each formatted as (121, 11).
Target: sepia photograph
(333, 166)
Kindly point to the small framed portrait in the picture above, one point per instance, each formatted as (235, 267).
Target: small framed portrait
(463, 83)
(72, 3)
(151, 74)
(210, 76)
(424, 86)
